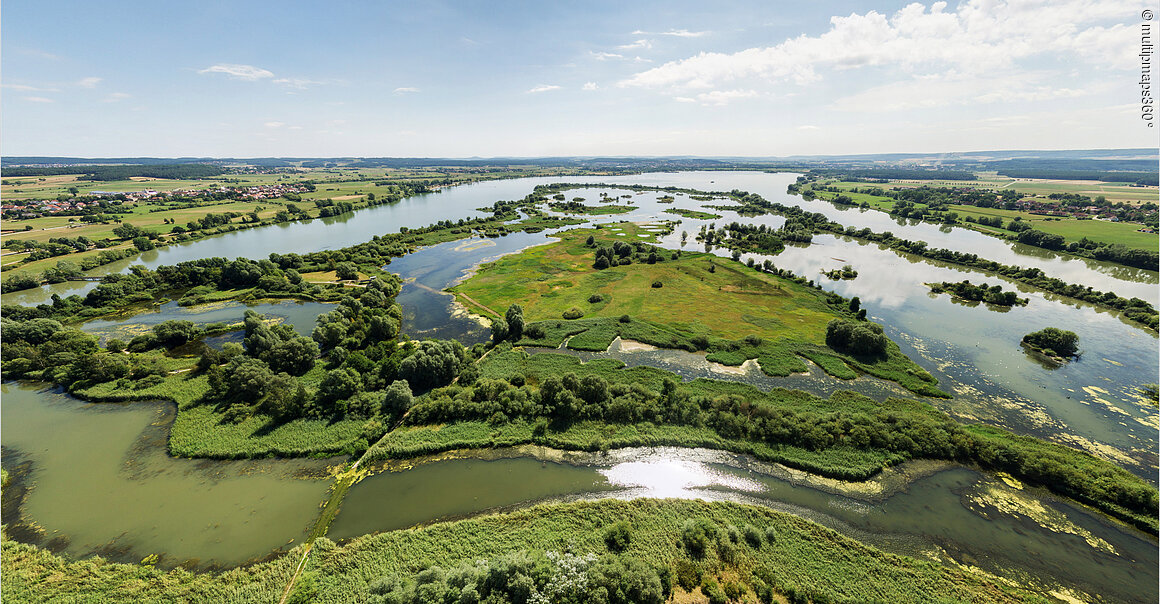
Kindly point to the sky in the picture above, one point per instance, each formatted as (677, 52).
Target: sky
(753, 78)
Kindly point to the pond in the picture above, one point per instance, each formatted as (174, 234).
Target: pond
(96, 479)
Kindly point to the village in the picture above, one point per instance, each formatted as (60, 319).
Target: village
(105, 201)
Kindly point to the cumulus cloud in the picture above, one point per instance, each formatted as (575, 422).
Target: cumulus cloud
(590, 86)
(604, 56)
(543, 88)
(275, 125)
(88, 82)
(406, 90)
(241, 72)
(981, 35)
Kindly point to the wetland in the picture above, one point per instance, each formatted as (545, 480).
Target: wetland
(112, 459)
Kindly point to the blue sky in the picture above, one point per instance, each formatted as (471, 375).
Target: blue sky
(461, 79)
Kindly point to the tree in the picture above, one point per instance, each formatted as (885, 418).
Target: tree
(855, 303)
(397, 398)
(346, 271)
(515, 321)
(1053, 341)
(175, 333)
(294, 356)
(287, 398)
(499, 330)
(128, 231)
(434, 364)
(863, 339)
(338, 384)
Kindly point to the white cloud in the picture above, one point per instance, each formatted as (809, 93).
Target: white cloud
(117, 96)
(275, 125)
(406, 90)
(955, 89)
(88, 82)
(684, 33)
(642, 43)
(297, 83)
(543, 88)
(590, 86)
(980, 36)
(718, 98)
(680, 33)
(38, 99)
(604, 56)
(241, 72)
(27, 88)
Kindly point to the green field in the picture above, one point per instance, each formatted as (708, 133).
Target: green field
(1114, 192)
(549, 279)
(1100, 231)
(754, 315)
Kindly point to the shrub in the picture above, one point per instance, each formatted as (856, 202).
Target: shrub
(595, 298)
(618, 536)
(697, 536)
(657, 284)
(573, 313)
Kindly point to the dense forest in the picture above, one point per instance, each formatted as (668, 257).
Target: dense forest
(124, 172)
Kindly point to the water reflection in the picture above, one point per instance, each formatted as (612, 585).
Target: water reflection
(662, 477)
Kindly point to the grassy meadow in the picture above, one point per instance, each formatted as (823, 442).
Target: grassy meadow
(734, 311)
(751, 547)
(781, 551)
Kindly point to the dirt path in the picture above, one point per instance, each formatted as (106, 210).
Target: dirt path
(342, 483)
(475, 302)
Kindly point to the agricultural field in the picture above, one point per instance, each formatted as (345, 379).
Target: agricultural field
(1114, 192)
(1101, 231)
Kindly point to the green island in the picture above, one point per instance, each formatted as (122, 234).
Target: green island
(760, 316)
(1057, 344)
(693, 214)
(965, 290)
